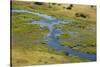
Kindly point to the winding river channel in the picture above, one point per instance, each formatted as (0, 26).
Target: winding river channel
(53, 41)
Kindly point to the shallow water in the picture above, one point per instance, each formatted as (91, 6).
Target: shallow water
(41, 15)
(53, 41)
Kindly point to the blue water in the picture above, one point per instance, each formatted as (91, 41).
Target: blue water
(53, 41)
(38, 14)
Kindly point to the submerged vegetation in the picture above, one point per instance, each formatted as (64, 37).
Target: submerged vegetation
(28, 45)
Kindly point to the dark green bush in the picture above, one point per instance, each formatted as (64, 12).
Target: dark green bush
(53, 3)
(71, 5)
(59, 4)
(69, 8)
(38, 3)
(81, 15)
(50, 6)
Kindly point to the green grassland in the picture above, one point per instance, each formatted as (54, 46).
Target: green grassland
(28, 46)
(59, 11)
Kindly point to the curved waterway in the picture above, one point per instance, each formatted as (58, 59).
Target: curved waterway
(53, 41)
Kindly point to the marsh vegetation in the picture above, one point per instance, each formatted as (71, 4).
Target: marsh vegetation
(30, 43)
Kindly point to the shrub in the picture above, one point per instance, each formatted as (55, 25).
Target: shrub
(50, 6)
(53, 3)
(69, 8)
(59, 4)
(52, 57)
(92, 6)
(71, 5)
(38, 3)
(81, 15)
